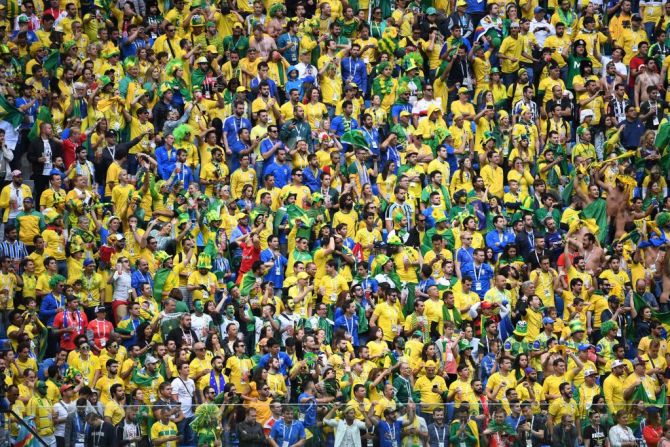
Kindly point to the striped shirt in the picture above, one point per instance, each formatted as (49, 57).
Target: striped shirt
(14, 250)
(405, 208)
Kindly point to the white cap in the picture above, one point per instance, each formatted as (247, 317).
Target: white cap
(617, 363)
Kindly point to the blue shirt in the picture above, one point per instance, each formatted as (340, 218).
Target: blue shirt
(137, 278)
(481, 278)
(273, 87)
(166, 161)
(30, 112)
(308, 409)
(48, 308)
(338, 125)
(350, 326)
(231, 127)
(281, 172)
(131, 48)
(234, 161)
(285, 364)
(631, 133)
(312, 180)
(276, 273)
(355, 70)
(185, 175)
(266, 146)
(372, 137)
(291, 54)
(290, 434)
(400, 107)
(465, 257)
(389, 433)
(498, 241)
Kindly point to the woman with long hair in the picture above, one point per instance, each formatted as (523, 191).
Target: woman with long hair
(315, 110)
(463, 177)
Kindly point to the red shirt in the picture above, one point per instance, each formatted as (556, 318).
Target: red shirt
(101, 332)
(69, 149)
(250, 254)
(66, 319)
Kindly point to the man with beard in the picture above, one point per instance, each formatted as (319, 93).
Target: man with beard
(231, 131)
(148, 380)
(250, 432)
(183, 391)
(563, 407)
(531, 426)
(530, 391)
(296, 129)
(184, 334)
(399, 205)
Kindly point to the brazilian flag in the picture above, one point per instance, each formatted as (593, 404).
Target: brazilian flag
(663, 317)
(659, 402)
(10, 113)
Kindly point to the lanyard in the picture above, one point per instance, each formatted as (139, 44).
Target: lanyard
(346, 322)
(477, 275)
(78, 319)
(392, 431)
(290, 430)
(352, 75)
(104, 329)
(444, 434)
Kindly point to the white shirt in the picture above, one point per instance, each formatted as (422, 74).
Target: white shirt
(48, 165)
(200, 325)
(184, 390)
(121, 286)
(421, 106)
(541, 35)
(16, 194)
(63, 410)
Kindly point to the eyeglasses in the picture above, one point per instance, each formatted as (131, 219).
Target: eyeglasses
(84, 347)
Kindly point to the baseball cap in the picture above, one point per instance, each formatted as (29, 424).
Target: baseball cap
(548, 320)
(303, 275)
(405, 113)
(100, 309)
(639, 361)
(88, 262)
(590, 372)
(463, 90)
(583, 347)
(538, 9)
(529, 370)
(431, 11)
(617, 363)
(150, 359)
(65, 387)
(514, 25)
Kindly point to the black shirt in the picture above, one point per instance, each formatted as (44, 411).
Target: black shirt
(596, 436)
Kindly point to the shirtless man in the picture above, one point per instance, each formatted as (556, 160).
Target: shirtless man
(618, 205)
(590, 250)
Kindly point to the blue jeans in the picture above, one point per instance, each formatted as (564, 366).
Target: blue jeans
(188, 435)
